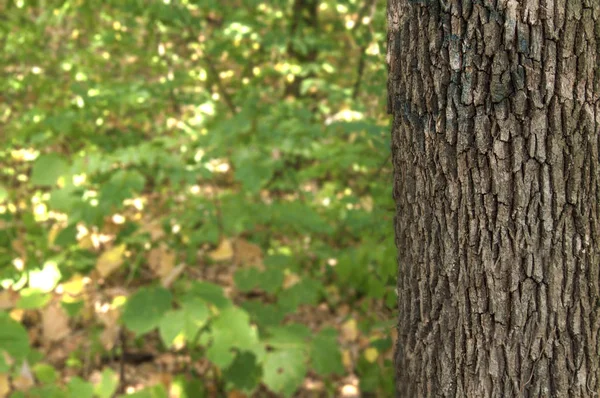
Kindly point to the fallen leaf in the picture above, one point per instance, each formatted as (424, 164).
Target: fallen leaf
(290, 279)
(24, 380)
(8, 299)
(53, 233)
(247, 254)
(371, 354)
(55, 323)
(347, 359)
(86, 242)
(74, 288)
(154, 228)
(161, 260)
(349, 331)
(167, 280)
(109, 317)
(4, 385)
(110, 260)
(223, 252)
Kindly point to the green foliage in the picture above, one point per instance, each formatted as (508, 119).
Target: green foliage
(146, 308)
(80, 388)
(108, 384)
(13, 337)
(138, 136)
(232, 330)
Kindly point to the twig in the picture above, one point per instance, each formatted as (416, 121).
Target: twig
(226, 97)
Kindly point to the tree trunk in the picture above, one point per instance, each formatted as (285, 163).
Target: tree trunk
(495, 148)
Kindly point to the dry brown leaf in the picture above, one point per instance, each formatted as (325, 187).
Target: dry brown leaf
(109, 317)
(55, 323)
(167, 280)
(4, 385)
(8, 299)
(110, 260)
(154, 228)
(290, 280)
(161, 260)
(247, 254)
(24, 381)
(223, 252)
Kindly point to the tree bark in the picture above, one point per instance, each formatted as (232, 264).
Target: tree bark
(495, 146)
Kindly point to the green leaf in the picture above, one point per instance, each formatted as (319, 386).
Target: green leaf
(246, 279)
(31, 299)
(244, 373)
(3, 193)
(325, 354)
(79, 388)
(47, 391)
(186, 321)
(265, 315)
(188, 387)
(210, 293)
(45, 373)
(294, 336)
(171, 325)
(67, 236)
(272, 280)
(73, 308)
(47, 169)
(284, 370)
(306, 291)
(231, 329)
(64, 199)
(108, 384)
(13, 337)
(145, 309)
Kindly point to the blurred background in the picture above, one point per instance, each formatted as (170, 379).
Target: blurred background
(195, 199)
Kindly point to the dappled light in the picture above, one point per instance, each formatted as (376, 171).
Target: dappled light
(195, 199)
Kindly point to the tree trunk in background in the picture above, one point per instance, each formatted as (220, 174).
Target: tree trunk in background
(495, 147)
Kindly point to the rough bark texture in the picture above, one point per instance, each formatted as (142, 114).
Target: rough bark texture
(495, 146)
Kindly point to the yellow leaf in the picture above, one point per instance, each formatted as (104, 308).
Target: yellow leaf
(347, 359)
(4, 385)
(110, 260)
(349, 331)
(55, 323)
(86, 242)
(222, 253)
(371, 354)
(54, 231)
(73, 288)
(161, 260)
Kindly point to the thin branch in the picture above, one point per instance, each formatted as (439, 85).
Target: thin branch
(222, 91)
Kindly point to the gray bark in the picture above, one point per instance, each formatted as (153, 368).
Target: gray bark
(495, 146)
